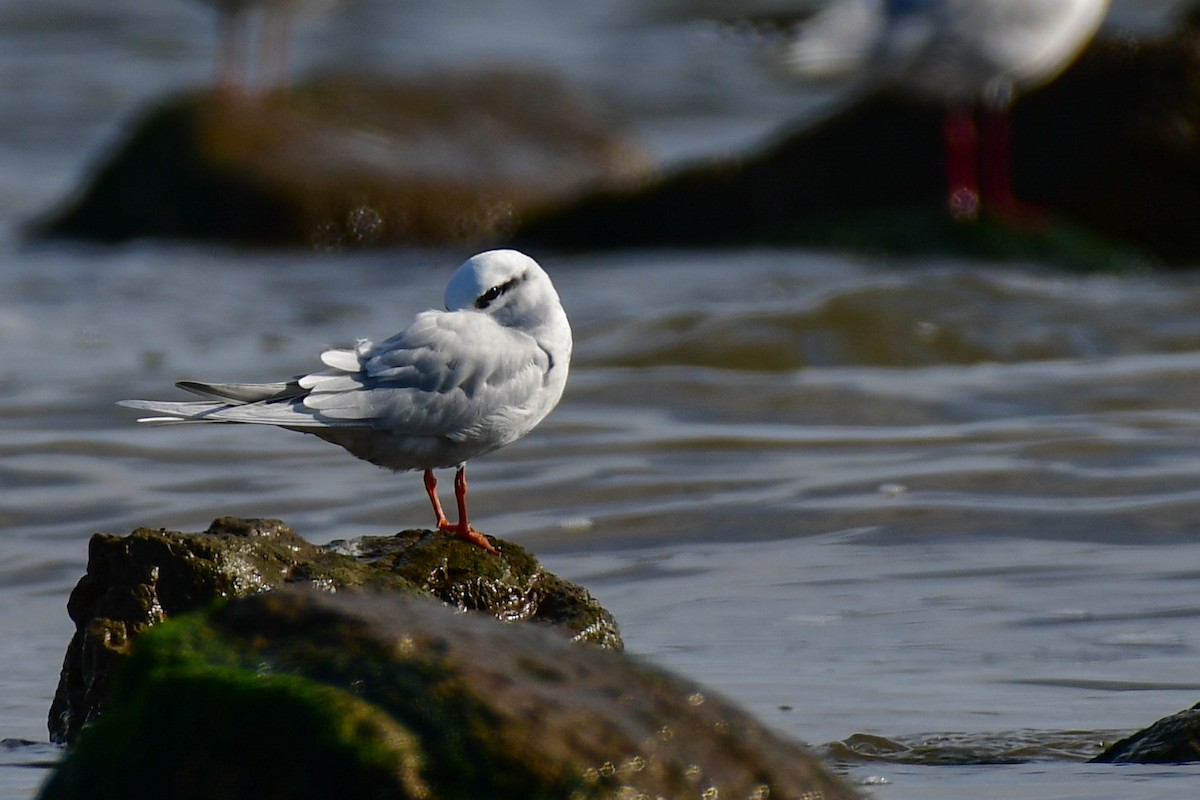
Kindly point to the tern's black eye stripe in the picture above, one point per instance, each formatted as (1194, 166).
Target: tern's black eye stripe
(484, 300)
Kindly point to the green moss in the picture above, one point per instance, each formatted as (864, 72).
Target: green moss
(135, 582)
(297, 693)
(414, 683)
(191, 723)
(203, 710)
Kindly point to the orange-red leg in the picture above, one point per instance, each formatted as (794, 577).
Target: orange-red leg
(463, 527)
(431, 490)
(460, 497)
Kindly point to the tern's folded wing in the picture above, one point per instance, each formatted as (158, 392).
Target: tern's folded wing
(448, 374)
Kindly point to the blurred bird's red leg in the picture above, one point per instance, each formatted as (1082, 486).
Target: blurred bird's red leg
(962, 178)
(998, 196)
(997, 160)
(443, 524)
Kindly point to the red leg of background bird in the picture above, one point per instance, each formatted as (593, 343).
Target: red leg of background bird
(962, 181)
(464, 529)
(997, 160)
(443, 524)
(998, 197)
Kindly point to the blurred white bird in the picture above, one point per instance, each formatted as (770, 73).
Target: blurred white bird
(454, 385)
(962, 53)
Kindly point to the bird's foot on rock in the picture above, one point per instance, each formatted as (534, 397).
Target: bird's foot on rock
(468, 534)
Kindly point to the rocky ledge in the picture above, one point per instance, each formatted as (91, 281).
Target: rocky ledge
(301, 693)
(137, 581)
(1171, 740)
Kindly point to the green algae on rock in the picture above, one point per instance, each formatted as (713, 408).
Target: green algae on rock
(134, 582)
(351, 161)
(412, 701)
(514, 587)
(332, 743)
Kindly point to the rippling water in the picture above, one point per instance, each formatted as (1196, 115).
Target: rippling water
(978, 523)
(937, 518)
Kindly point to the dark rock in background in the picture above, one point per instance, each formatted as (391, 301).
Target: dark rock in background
(306, 694)
(1110, 152)
(134, 582)
(350, 161)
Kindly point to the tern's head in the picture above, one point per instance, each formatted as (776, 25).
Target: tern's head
(506, 285)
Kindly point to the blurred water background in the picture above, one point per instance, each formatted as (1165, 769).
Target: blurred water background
(947, 509)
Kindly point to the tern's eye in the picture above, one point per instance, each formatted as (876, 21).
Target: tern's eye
(484, 300)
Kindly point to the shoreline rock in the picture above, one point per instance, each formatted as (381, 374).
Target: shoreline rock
(349, 161)
(137, 581)
(302, 693)
(1170, 740)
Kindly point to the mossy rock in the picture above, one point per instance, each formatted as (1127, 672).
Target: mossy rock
(336, 745)
(305, 694)
(134, 582)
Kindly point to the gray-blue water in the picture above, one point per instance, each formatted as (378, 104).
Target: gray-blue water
(947, 504)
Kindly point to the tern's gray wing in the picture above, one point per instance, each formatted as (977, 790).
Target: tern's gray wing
(450, 374)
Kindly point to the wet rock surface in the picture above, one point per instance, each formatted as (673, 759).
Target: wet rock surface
(349, 161)
(1171, 740)
(301, 693)
(1109, 156)
(137, 581)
